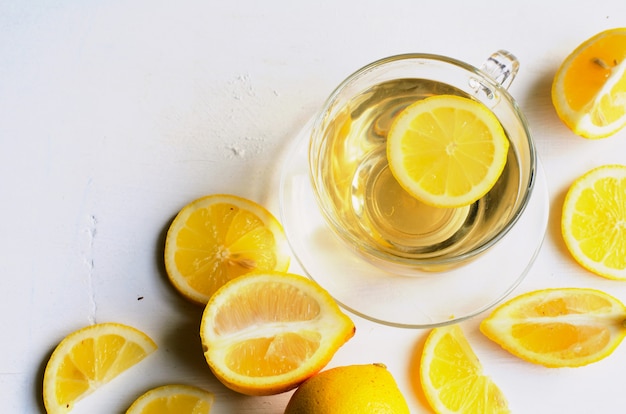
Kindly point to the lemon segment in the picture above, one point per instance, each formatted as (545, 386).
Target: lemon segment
(593, 223)
(220, 237)
(452, 376)
(89, 358)
(562, 327)
(589, 88)
(173, 399)
(446, 150)
(267, 332)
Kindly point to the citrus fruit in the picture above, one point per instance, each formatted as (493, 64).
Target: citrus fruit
(593, 222)
(561, 327)
(266, 332)
(219, 237)
(446, 150)
(452, 376)
(363, 389)
(173, 399)
(589, 88)
(89, 358)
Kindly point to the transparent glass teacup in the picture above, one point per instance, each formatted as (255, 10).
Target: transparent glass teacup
(359, 197)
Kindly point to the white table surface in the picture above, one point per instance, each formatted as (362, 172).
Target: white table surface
(115, 114)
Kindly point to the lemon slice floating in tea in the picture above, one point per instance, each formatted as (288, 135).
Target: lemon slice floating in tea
(219, 237)
(589, 88)
(173, 399)
(561, 327)
(447, 150)
(89, 358)
(593, 223)
(452, 376)
(267, 332)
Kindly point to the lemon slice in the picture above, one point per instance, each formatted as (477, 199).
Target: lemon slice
(446, 150)
(593, 222)
(89, 358)
(267, 332)
(173, 399)
(589, 88)
(452, 376)
(564, 327)
(219, 237)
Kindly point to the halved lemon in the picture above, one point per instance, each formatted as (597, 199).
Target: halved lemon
(589, 88)
(561, 327)
(173, 399)
(593, 222)
(219, 237)
(447, 150)
(87, 359)
(267, 332)
(452, 376)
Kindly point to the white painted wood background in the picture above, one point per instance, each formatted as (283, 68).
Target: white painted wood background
(115, 114)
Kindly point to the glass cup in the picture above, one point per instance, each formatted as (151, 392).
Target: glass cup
(358, 196)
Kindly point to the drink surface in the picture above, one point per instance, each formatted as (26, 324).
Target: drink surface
(367, 201)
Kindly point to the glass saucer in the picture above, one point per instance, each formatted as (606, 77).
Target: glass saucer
(421, 301)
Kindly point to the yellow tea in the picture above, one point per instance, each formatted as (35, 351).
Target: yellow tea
(365, 199)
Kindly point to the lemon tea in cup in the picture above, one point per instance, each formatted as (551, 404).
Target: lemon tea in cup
(359, 196)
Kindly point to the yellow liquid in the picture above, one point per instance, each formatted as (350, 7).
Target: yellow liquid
(368, 203)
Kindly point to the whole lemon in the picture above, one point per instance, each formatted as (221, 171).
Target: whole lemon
(363, 389)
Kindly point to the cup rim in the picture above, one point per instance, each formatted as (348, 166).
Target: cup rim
(399, 262)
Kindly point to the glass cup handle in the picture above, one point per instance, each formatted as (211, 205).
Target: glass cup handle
(501, 66)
